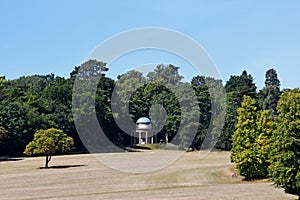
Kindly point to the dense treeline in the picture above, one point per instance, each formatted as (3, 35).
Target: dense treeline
(31, 103)
(28, 104)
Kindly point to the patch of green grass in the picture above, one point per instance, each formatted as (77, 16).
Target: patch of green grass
(159, 146)
(150, 146)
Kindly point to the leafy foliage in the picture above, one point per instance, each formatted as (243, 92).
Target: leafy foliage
(20, 121)
(285, 154)
(90, 103)
(48, 142)
(155, 94)
(251, 145)
(3, 133)
(200, 86)
(271, 92)
(236, 87)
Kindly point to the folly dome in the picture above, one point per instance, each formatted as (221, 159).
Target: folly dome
(143, 120)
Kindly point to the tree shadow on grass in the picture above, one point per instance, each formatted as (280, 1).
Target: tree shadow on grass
(63, 166)
(5, 159)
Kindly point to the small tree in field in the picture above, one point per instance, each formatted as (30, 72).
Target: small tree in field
(48, 142)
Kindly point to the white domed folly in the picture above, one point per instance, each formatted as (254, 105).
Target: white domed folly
(143, 132)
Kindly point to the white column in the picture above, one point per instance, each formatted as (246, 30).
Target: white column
(146, 139)
(139, 137)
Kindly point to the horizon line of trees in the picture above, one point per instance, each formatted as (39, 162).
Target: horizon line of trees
(32, 103)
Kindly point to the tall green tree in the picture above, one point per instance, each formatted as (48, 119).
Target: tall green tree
(199, 84)
(86, 79)
(285, 154)
(190, 116)
(243, 153)
(104, 112)
(271, 92)
(251, 145)
(236, 87)
(242, 85)
(217, 111)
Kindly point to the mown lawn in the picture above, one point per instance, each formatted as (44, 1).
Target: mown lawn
(82, 177)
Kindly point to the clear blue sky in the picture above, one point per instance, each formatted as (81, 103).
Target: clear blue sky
(41, 37)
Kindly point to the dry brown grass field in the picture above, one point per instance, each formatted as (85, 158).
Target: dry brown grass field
(83, 177)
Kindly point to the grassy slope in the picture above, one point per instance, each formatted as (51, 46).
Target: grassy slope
(81, 177)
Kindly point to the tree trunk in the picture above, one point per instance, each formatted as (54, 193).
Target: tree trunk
(48, 158)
